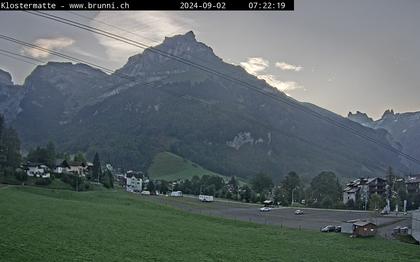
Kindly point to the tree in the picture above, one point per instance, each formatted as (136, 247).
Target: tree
(233, 184)
(96, 170)
(188, 187)
(210, 190)
(390, 179)
(350, 204)
(261, 182)
(326, 185)
(79, 157)
(50, 154)
(108, 179)
(290, 183)
(327, 202)
(376, 202)
(10, 157)
(164, 186)
(277, 195)
(21, 175)
(246, 193)
(43, 155)
(11, 145)
(151, 187)
(233, 188)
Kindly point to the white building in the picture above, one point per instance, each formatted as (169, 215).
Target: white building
(38, 171)
(76, 168)
(350, 194)
(59, 169)
(134, 184)
(415, 225)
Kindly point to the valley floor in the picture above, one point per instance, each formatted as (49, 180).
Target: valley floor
(58, 225)
(313, 218)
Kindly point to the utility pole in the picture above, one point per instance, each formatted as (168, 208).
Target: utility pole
(293, 190)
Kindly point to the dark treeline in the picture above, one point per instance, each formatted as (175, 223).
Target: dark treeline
(13, 166)
(10, 158)
(324, 190)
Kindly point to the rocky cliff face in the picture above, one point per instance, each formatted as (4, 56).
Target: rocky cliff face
(404, 128)
(10, 96)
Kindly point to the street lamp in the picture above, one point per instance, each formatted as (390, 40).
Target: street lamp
(293, 190)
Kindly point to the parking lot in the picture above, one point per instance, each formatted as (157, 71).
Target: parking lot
(312, 219)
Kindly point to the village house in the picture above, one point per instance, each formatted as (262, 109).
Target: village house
(355, 190)
(363, 188)
(364, 229)
(77, 168)
(74, 167)
(412, 183)
(350, 193)
(359, 228)
(377, 185)
(37, 170)
(58, 167)
(134, 184)
(415, 225)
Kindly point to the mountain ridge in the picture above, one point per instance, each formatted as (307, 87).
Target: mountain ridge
(207, 119)
(403, 127)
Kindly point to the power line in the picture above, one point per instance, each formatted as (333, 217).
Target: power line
(68, 57)
(52, 52)
(18, 56)
(241, 83)
(170, 92)
(131, 33)
(112, 26)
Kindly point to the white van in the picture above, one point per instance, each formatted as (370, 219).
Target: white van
(205, 198)
(176, 194)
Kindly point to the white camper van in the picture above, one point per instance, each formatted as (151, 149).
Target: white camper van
(205, 198)
(176, 194)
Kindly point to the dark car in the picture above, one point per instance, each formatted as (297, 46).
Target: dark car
(329, 228)
(337, 229)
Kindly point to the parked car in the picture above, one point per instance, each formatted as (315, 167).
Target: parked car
(298, 212)
(338, 229)
(265, 209)
(329, 228)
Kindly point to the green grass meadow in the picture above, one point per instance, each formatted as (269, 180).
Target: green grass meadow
(169, 167)
(38, 224)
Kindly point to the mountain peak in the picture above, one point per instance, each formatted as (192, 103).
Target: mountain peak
(5, 78)
(388, 112)
(361, 118)
(161, 57)
(183, 45)
(189, 36)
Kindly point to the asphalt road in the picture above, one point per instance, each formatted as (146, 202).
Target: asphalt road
(312, 219)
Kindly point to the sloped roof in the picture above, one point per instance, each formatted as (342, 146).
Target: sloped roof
(413, 179)
(351, 189)
(76, 163)
(363, 223)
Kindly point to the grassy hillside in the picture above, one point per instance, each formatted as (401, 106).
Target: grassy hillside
(169, 166)
(53, 225)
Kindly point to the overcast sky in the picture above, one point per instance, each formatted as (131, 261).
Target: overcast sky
(341, 55)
